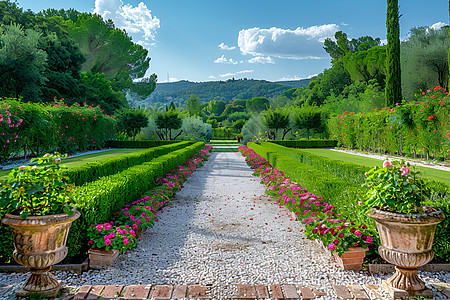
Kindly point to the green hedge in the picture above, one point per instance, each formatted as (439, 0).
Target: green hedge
(92, 171)
(139, 144)
(99, 200)
(313, 143)
(339, 183)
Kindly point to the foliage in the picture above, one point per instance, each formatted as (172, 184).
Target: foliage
(258, 104)
(37, 190)
(310, 119)
(21, 62)
(143, 88)
(131, 121)
(307, 143)
(193, 106)
(342, 46)
(254, 127)
(424, 60)
(194, 129)
(393, 71)
(395, 188)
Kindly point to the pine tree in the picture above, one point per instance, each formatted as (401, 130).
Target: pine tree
(393, 73)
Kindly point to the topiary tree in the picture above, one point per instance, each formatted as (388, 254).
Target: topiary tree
(166, 122)
(393, 72)
(276, 119)
(131, 121)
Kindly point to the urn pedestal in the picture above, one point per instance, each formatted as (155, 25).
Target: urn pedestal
(406, 242)
(40, 242)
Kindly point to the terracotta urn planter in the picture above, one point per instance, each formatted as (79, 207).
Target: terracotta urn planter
(352, 259)
(100, 258)
(406, 242)
(40, 242)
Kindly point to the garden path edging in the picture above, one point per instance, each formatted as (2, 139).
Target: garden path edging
(77, 268)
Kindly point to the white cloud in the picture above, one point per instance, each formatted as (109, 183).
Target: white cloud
(171, 79)
(245, 71)
(227, 75)
(225, 47)
(261, 60)
(212, 77)
(301, 43)
(438, 25)
(224, 60)
(137, 21)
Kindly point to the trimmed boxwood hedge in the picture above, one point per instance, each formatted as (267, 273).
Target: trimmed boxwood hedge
(92, 171)
(100, 199)
(339, 183)
(307, 143)
(139, 144)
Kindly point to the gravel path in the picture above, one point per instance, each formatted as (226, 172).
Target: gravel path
(220, 230)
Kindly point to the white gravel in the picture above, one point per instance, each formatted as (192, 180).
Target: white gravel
(220, 230)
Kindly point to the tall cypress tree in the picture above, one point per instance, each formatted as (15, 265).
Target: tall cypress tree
(448, 85)
(393, 73)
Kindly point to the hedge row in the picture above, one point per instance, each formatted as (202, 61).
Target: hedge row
(38, 128)
(92, 171)
(313, 143)
(99, 200)
(339, 183)
(139, 144)
(420, 128)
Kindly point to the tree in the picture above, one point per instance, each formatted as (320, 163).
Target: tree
(21, 63)
(166, 122)
(424, 60)
(276, 119)
(308, 118)
(393, 72)
(193, 106)
(449, 48)
(337, 50)
(131, 121)
(258, 104)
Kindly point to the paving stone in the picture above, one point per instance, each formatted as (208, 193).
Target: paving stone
(277, 293)
(95, 292)
(136, 292)
(246, 291)
(372, 286)
(82, 292)
(307, 293)
(112, 291)
(319, 293)
(359, 292)
(342, 292)
(179, 292)
(290, 292)
(197, 291)
(262, 291)
(162, 292)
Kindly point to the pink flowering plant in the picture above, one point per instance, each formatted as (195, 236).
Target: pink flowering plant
(395, 187)
(320, 217)
(106, 236)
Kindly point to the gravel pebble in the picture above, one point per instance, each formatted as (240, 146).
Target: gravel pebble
(220, 230)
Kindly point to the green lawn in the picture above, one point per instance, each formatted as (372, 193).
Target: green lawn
(79, 160)
(440, 175)
(223, 143)
(219, 149)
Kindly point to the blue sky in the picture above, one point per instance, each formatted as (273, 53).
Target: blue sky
(202, 40)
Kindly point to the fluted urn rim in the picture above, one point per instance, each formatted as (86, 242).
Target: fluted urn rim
(47, 220)
(428, 216)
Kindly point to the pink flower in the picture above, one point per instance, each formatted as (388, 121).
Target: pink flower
(331, 247)
(125, 241)
(359, 203)
(107, 242)
(91, 242)
(336, 241)
(99, 227)
(341, 235)
(358, 233)
(135, 226)
(387, 164)
(404, 170)
(107, 226)
(369, 240)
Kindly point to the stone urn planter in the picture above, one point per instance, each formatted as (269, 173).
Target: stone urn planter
(100, 258)
(40, 242)
(406, 242)
(352, 259)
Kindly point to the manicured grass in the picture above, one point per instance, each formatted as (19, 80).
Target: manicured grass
(79, 160)
(439, 175)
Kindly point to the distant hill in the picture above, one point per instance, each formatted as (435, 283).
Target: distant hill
(179, 92)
